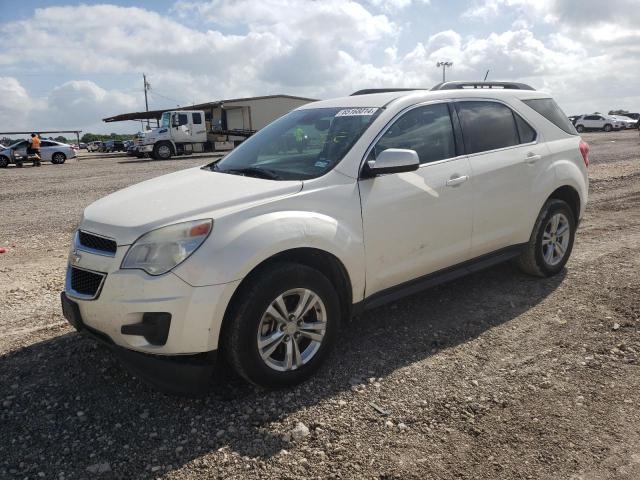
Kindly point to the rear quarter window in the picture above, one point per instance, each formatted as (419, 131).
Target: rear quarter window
(549, 109)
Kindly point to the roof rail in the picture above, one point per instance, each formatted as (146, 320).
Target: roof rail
(501, 85)
(367, 91)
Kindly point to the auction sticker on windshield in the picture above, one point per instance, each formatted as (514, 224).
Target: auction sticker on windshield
(356, 112)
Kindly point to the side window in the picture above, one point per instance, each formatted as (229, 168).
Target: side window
(183, 119)
(527, 134)
(46, 144)
(197, 118)
(427, 130)
(487, 126)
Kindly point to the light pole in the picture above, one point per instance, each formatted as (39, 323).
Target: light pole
(444, 65)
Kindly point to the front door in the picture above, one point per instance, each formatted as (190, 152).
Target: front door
(182, 127)
(20, 150)
(416, 223)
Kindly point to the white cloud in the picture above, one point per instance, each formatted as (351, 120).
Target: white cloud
(75, 104)
(392, 6)
(325, 49)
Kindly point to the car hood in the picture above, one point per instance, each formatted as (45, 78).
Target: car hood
(186, 195)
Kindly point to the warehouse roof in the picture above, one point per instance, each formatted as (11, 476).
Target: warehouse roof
(156, 114)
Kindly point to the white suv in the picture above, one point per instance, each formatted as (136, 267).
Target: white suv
(598, 121)
(336, 207)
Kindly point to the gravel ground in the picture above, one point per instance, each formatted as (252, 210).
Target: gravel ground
(497, 375)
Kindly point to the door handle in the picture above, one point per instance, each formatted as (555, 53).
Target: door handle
(452, 182)
(532, 158)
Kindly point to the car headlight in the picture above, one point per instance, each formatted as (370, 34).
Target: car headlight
(160, 250)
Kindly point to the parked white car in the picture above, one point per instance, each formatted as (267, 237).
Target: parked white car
(260, 256)
(54, 152)
(598, 121)
(94, 146)
(625, 122)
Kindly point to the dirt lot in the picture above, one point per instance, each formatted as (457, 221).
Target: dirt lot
(497, 375)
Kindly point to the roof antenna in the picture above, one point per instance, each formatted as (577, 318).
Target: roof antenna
(485, 76)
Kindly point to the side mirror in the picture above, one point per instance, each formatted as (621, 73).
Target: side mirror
(392, 160)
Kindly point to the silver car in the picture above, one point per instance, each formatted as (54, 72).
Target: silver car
(54, 152)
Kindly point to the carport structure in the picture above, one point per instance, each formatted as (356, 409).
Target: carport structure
(41, 132)
(229, 116)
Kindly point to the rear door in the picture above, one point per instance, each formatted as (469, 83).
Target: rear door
(416, 223)
(504, 156)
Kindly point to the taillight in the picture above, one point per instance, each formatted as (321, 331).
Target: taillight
(584, 150)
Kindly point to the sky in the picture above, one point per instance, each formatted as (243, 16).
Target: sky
(67, 65)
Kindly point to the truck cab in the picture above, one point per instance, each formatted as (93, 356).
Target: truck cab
(180, 132)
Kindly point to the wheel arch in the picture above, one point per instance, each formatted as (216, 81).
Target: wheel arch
(325, 262)
(569, 195)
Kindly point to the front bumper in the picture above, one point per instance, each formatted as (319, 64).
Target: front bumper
(125, 296)
(145, 148)
(188, 374)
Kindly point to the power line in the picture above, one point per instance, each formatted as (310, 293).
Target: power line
(155, 92)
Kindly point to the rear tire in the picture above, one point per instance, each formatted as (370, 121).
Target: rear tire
(607, 128)
(551, 241)
(579, 128)
(266, 340)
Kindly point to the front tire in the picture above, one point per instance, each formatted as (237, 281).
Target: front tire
(551, 241)
(580, 128)
(162, 151)
(281, 326)
(58, 158)
(607, 128)
(4, 162)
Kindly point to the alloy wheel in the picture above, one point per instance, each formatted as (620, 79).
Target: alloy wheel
(292, 329)
(555, 239)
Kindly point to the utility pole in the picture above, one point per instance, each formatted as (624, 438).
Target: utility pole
(146, 102)
(444, 65)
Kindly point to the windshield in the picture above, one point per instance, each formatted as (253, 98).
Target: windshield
(300, 145)
(17, 144)
(165, 122)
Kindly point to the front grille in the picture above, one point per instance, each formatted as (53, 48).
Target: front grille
(95, 242)
(85, 282)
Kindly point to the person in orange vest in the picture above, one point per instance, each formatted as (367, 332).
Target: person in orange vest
(34, 149)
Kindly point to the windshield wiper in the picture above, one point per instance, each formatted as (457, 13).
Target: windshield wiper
(252, 172)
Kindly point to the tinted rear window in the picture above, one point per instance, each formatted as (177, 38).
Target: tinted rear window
(550, 110)
(487, 126)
